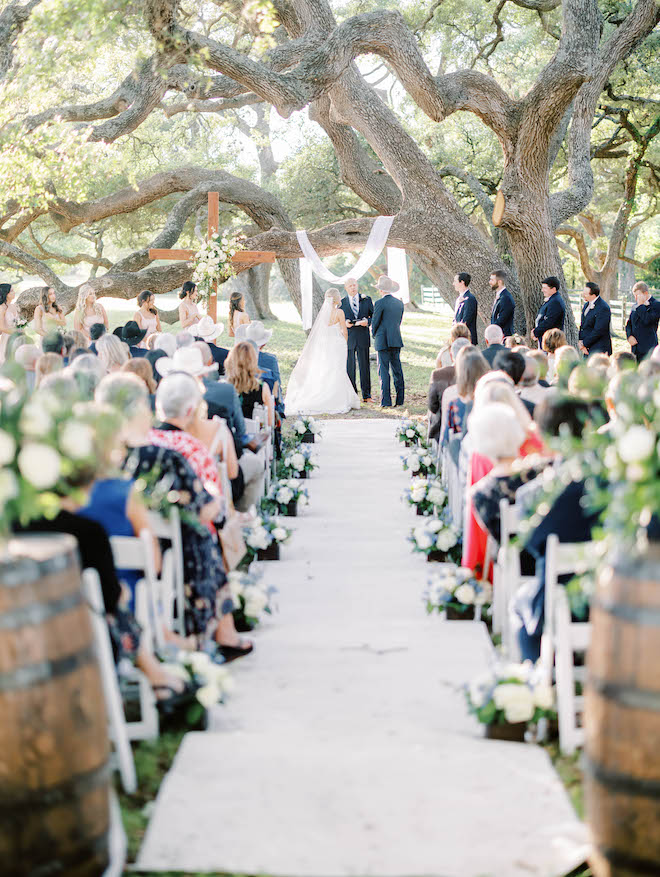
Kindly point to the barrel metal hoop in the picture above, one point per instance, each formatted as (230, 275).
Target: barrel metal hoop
(625, 695)
(37, 613)
(620, 860)
(61, 793)
(23, 569)
(96, 847)
(649, 616)
(623, 783)
(34, 674)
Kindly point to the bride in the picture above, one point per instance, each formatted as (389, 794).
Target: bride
(319, 383)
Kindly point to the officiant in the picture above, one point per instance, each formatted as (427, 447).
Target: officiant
(358, 310)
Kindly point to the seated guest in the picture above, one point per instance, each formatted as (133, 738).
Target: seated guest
(529, 388)
(112, 352)
(88, 372)
(458, 330)
(73, 340)
(514, 340)
(184, 339)
(47, 364)
(242, 371)
(541, 360)
(165, 342)
(133, 335)
(470, 366)
(143, 369)
(552, 341)
(95, 332)
(152, 357)
(513, 364)
(53, 342)
(442, 390)
(207, 331)
(598, 360)
(257, 333)
(566, 359)
(27, 356)
(621, 361)
(265, 373)
(494, 338)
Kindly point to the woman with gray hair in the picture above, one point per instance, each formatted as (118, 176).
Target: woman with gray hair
(112, 352)
(88, 371)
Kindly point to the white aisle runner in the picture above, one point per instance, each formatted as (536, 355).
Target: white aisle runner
(347, 748)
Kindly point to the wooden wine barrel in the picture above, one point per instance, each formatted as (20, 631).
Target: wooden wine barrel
(622, 719)
(54, 770)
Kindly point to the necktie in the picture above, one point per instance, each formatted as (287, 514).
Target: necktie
(355, 306)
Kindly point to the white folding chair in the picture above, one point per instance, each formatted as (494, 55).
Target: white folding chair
(117, 845)
(111, 694)
(136, 552)
(170, 530)
(562, 637)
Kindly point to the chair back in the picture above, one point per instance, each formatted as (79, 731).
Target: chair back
(170, 530)
(137, 552)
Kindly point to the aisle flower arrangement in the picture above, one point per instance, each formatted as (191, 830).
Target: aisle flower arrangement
(285, 497)
(456, 591)
(419, 462)
(297, 463)
(411, 433)
(426, 495)
(508, 697)
(263, 536)
(437, 539)
(305, 429)
(252, 598)
(213, 261)
(214, 682)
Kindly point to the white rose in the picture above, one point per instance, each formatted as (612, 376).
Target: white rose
(637, 443)
(235, 584)
(7, 447)
(436, 495)
(435, 525)
(465, 594)
(298, 461)
(418, 494)
(427, 460)
(199, 661)
(635, 472)
(299, 427)
(422, 538)
(77, 440)
(279, 534)
(410, 433)
(222, 678)
(8, 485)
(35, 419)
(509, 693)
(208, 695)
(515, 671)
(284, 495)
(543, 696)
(413, 463)
(446, 540)
(40, 465)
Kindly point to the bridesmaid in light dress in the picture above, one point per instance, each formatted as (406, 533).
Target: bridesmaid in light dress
(48, 315)
(88, 311)
(189, 314)
(8, 317)
(237, 315)
(147, 316)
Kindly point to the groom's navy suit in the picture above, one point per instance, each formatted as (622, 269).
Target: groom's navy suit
(359, 341)
(386, 329)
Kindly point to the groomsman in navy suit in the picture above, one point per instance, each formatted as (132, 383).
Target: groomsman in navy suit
(642, 325)
(358, 310)
(466, 304)
(504, 305)
(553, 310)
(595, 324)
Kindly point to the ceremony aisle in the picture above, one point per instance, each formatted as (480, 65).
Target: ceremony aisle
(347, 748)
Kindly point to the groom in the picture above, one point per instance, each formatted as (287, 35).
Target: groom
(358, 310)
(386, 328)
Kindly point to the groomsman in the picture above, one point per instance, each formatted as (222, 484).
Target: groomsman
(553, 310)
(595, 334)
(386, 328)
(642, 325)
(359, 310)
(466, 304)
(504, 305)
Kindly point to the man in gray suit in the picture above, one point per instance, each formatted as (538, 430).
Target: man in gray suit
(386, 329)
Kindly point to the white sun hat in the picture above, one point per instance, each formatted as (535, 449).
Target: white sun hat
(207, 330)
(185, 359)
(258, 333)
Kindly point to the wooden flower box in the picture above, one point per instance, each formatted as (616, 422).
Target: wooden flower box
(308, 438)
(515, 733)
(270, 553)
(454, 615)
(291, 509)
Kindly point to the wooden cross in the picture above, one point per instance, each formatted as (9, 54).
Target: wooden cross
(253, 257)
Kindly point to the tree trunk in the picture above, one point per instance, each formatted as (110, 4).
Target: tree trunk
(626, 270)
(255, 283)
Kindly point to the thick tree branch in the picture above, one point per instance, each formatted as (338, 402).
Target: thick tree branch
(12, 21)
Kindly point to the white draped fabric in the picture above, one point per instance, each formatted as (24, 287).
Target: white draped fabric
(312, 264)
(397, 269)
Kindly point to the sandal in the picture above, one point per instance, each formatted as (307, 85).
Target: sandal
(231, 653)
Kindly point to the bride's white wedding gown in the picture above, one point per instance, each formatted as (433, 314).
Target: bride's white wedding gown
(319, 383)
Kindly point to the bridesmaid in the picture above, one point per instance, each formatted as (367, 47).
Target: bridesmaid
(147, 316)
(237, 315)
(88, 311)
(48, 315)
(189, 314)
(8, 317)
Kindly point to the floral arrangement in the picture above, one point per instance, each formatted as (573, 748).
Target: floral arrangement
(251, 597)
(262, 531)
(213, 261)
(214, 681)
(297, 461)
(419, 462)
(436, 536)
(579, 591)
(306, 424)
(426, 494)
(455, 588)
(510, 694)
(283, 492)
(411, 432)
(48, 447)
